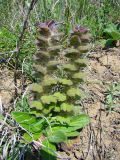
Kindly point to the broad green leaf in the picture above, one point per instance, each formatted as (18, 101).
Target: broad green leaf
(36, 88)
(57, 137)
(36, 104)
(72, 134)
(23, 117)
(66, 82)
(36, 113)
(63, 128)
(28, 121)
(68, 131)
(115, 35)
(110, 27)
(48, 151)
(65, 119)
(79, 121)
(30, 138)
(38, 126)
(59, 127)
(112, 31)
(59, 96)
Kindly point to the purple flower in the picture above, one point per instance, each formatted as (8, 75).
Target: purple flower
(79, 30)
(50, 25)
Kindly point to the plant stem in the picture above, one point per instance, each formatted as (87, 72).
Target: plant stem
(19, 44)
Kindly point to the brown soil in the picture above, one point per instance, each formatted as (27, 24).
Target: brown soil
(101, 139)
(6, 88)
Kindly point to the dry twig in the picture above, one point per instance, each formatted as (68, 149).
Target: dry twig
(19, 43)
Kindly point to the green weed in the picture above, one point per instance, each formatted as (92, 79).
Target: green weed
(112, 97)
(52, 114)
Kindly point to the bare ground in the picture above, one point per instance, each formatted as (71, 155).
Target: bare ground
(101, 139)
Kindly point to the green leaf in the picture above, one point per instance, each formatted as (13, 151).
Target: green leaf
(41, 55)
(112, 32)
(49, 81)
(81, 62)
(59, 96)
(69, 67)
(84, 48)
(23, 117)
(79, 121)
(59, 127)
(56, 109)
(36, 113)
(117, 87)
(86, 37)
(75, 40)
(47, 110)
(52, 64)
(68, 131)
(42, 41)
(38, 126)
(115, 35)
(40, 69)
(71, 53)
(36, 88)
(48, 99)
(1, 117)
(36, 104)
(79, 76)
(57, 137)
(30, 138)
(72, 134)
(73, 92)
(54, 50)
(66, 107)
(66, 82)
(28, 121)
(109, 99)
(48, 151)
(65, 119)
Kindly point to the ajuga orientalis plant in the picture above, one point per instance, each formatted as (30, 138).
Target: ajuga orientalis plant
(59, 71)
